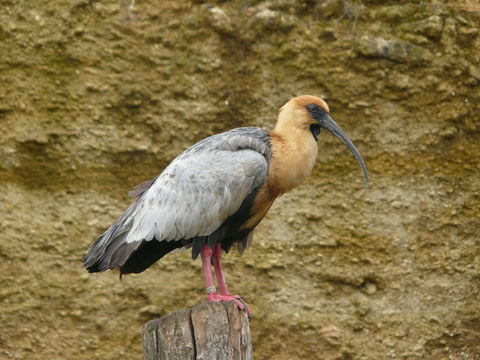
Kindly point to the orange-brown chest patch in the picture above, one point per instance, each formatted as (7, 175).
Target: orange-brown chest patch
(263, 201)
(292, 162)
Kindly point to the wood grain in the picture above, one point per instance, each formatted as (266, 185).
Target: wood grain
(209, 331)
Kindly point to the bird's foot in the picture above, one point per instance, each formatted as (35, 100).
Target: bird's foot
(242, 305)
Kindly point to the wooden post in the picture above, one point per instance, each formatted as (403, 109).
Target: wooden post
(210, 331)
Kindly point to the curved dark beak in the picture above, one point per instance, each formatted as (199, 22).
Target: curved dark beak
(329, 124)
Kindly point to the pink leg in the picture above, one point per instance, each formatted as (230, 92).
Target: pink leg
(216, 257)
(206, 255)
(210, 257)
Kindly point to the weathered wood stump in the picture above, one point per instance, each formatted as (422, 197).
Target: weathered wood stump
(210, 331)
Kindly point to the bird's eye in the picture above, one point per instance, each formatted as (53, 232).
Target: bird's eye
(313, 109)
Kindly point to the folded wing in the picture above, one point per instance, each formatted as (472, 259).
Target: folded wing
(192, 198)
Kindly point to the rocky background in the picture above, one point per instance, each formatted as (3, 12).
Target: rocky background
(97, 96)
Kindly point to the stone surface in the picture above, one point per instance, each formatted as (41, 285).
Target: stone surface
(430, 27)
(396, 50)
(219, 20)
(93, 102)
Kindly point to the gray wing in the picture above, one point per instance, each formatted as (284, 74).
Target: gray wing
(192, 197)
(195, 195)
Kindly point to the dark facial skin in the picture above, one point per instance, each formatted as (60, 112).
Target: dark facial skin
(324, 121)
(316, 112)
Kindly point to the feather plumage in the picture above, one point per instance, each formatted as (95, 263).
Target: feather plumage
(190, 202)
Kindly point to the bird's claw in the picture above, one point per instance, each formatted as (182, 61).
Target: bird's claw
(242, 305)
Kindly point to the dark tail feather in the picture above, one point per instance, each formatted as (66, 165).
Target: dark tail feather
(243, 244)
(99, 254)
(145, 254)
(211, 240)
(132, 257)
(197, 244)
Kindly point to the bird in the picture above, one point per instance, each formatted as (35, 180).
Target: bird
(213, 195)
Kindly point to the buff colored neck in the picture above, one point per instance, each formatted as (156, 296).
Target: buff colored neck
(294, 150)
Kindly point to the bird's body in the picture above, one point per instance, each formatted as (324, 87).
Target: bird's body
(216, 192)
(204, 195)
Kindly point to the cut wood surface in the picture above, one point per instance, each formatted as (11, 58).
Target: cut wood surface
(209, 331)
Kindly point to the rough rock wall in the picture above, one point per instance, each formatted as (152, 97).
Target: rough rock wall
(94, 99)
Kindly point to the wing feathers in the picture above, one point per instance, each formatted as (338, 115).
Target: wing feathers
(138, 190)
(188, 201)
(183, 209)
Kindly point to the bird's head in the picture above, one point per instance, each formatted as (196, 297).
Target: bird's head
(311, 113)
